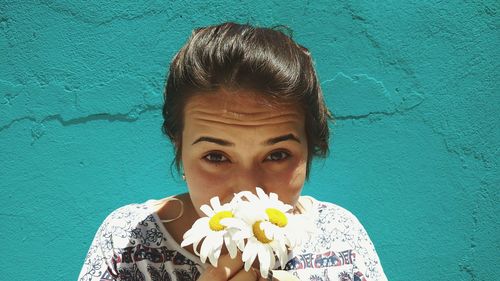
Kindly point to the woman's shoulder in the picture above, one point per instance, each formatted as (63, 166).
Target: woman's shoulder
(334, 227)
(133, 224)
(339, 246)
(132, 241)
(129, 212)
(327, 212)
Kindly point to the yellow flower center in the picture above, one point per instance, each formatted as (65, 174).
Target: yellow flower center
(276, 217)
(214, 221)
(259, 233)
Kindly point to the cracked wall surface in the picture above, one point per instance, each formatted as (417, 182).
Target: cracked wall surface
(414, 149)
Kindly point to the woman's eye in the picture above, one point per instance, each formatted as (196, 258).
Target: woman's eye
(215, 157)
(277, 156)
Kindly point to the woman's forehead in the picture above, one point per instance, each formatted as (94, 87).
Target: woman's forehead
(240, 105)
(241, 117)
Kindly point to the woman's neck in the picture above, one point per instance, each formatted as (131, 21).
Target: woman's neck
(176, 223)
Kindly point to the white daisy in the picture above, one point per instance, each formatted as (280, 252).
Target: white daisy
(260, 215)
(294, 229)
(264, 200)
(214, 230)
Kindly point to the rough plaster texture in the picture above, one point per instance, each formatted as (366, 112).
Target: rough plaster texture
(414, 152)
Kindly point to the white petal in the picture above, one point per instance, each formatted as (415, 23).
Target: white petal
(214, 256)
(230, 245)
(196, 237)
(249, 250)
(215, 202)
(251, 214)
(282, 254)
(268, 229)
(261, 193)
(217, 241)
(249, 253)
(201, 225)
(212, 259)
(236, 199)
(232, 222)
(207, 210)
(264, 260)
(285, 208)
(244, 232)
(273, 196)
(206, 248)
(195, 247)
(241, 245)
(249, 196)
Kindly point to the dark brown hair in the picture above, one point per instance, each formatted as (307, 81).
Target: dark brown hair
(241, 56)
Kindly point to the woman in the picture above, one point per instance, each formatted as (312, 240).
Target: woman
(244, 109)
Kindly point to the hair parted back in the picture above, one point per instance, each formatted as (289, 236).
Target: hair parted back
(241, 56)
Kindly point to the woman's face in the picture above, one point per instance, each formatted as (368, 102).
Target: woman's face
(235, 141)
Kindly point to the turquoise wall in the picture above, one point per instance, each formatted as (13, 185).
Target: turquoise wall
(414, 151)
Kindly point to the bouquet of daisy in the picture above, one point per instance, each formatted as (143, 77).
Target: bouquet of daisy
(260, 226)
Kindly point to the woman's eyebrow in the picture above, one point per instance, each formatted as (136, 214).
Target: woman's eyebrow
(281, 138)
(270, 141)
(213, 140)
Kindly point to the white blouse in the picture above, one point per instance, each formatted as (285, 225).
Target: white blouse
(133, 244)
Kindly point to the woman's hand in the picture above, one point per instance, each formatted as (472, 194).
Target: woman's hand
(230, 269)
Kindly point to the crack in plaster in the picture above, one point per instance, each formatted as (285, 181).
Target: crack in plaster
(409, 102)
(481, 195)
(462, 152)
(355, 15)
(5, 127)
(467, 266)
(406, 102)
(364, 116)
(12, 215)
(396, 62)
(38, 128)
(131, 116)
(8, 98)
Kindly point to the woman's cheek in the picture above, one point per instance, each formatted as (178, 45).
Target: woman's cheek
(211, 175)
(204, 184)
(288, 181)
(206, 180)
(298, 177)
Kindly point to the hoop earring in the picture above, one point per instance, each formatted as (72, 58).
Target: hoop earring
(180, 213)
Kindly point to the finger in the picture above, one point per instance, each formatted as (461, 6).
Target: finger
(243, 275)
(226, 268)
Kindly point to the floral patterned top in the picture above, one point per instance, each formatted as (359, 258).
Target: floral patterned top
(132, 244)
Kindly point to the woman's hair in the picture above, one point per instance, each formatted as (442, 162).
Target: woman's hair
(241, 56)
